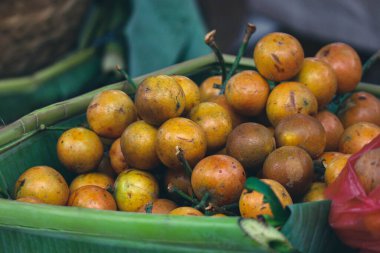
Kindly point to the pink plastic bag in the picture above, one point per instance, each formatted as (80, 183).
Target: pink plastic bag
(354, 215)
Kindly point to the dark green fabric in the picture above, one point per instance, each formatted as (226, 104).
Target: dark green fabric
(161, 33)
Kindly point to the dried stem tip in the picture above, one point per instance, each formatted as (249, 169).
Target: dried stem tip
(210, 37)
(251, 28)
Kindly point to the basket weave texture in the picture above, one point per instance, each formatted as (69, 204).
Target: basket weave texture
(36, 33)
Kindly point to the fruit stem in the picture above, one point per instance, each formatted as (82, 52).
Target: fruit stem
(210, 41)
(217, 209)
(251, 28)
(130, 83)
(149, 207)
(202, 203)
(370, 62)
(181, 157)
(172, 188)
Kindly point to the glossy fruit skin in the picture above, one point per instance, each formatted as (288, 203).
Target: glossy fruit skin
(160, 206)
(250, 143)
(355, 137)
(316, 192)
(292, 167)
(92, 196)
(207, 90)
(334, 163)
(31, 200)
(345, 62)
(187, 135)
(367, 168)
(117, 158)
(302, 131)
(42, 182)
(333, 128)
(191, 91)
(134, 189)
(289, 98)
(222, 176)
(159, 98)
(236, 118)
(247, 93)
(79, 149)
(215, 122)
(320, 78)
(186, 211)
(93, 178)
(278, 56)
(251, 204)
(360, 107)
(138, 144)
(110, 112)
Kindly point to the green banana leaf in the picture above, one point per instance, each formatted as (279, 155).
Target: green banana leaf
(44, 228)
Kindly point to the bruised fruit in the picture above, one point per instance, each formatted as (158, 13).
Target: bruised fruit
(320, 78)
(79, 149)
(180, 133)
(252, 204)
(360, 107)
(42, 182)
(292, 167)
(207, 89)
(110, 112)
(278, 56)
(220, 176)
(92, 196)
(289, 98)
(247, 93)
(186, 211)
(117, 158)
(215, 122)
(367, 168)
(345, 62)
(355, 137)
(134, 189)
(94, 178)
(138, 144)
(333, 128)
(159, 98)
(302, 131)
(250, 143)
(191, 91)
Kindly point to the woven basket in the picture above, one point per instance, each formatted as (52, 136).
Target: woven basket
(35, 33)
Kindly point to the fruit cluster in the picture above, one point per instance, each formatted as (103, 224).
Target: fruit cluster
(185, 149)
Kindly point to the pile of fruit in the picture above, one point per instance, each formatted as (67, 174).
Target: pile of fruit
(243, 143)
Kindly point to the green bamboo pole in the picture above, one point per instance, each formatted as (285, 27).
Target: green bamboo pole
(30, 83)
(179, 230)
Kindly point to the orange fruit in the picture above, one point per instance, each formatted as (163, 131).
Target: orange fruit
(333, 128)
(247, 93)
(345, 62)
(207, 89)
(355, 137)
(290, 98)
(320, 78)
(278, 56)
